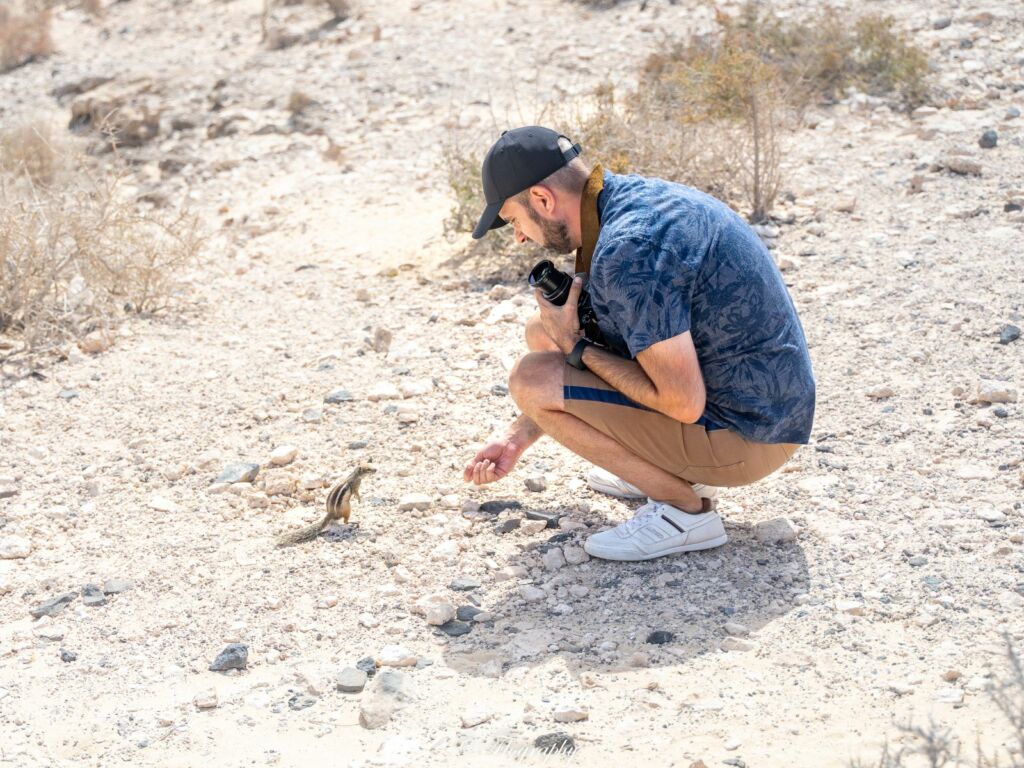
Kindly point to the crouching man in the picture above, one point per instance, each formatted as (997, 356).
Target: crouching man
(703, 379)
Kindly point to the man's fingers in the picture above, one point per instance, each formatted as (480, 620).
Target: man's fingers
(574, 292)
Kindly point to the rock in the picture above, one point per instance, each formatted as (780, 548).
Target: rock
(555, 743)
(951, 675)
(532, 527)
(993, 391)
(338, 396)
(507, 526)
(1007, 334)
(128, 114)
(990, 515)
(357, 445)
(234, 656)
(312, 415)
(553, 559)
(14, 548)
(550, 518)
(571, 715)
(465, 612)
(68, 394)
(368, 665)
(941, 23)
(383, 390)
(412, 501)
(47, 630)
(732, 745)
(660, 637)
(499, 505)
(300, 701)
(437, 614)
(67, 656)
(735, 644)
(880, 392)
(238, 473)
(6, 583)
(502, 312)
(845, 205)
(351, 680)
(376, 711)
(279, 484)
(93, 596)
(95, 342)
(415, 387)
(463, 584)
(161, 504)
(974, 472)
(284, 454)
(531, 594)
(381, 340)
(7, 490)
(474, 717)
(451, 501)
(574, 555)
(537, 483)
(117, 586)
(776, 531)
(988, 139)
(454, 628)
(949, 696)
(206, 700)
(963, 166)
(395, 656)
(53, 606)
(736, 629)
(917, 561)
(1012, 113)
(851, 607)
(446, 551)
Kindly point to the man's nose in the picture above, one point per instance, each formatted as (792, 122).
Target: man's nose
(520, 237)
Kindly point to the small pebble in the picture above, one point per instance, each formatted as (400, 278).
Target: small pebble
(988, 139)
(234, 656)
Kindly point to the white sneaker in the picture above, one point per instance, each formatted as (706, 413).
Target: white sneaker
(604, 481)
(657, 529)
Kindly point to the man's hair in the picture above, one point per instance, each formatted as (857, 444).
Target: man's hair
(571, 177)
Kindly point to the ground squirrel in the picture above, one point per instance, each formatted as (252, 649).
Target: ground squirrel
(339, 505)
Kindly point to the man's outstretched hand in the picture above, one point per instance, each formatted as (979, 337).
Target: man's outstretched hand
(493, 461)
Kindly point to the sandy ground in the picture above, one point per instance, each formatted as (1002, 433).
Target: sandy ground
(890, 605)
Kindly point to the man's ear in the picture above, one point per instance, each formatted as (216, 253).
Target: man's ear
(543, 199)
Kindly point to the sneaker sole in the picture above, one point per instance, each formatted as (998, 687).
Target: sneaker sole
(711, 544)
(611, 490)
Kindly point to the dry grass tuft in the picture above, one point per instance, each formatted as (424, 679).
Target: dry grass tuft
(24, 37)
(76, 251)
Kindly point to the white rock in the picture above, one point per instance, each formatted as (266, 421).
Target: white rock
(553, 559)
(736, 629)
(531, 594)
(451, 501)
(6, 583)
(574, 555)
(990, 514)
(992, 391)
(439, 613)
(368, 620)
(414, 501)
(949, 695)
(732, 745)
(533, 526)
(396, 656)
(781, 529)
(880, 392)
(446, 550)
(571, 715)
(38, 452)
(95, 342)
(384, 390)
(49, 630)
(284, 454)
(474, 717)
(974, 472)
(415, 387)
(536, 483)
(206, 699)
(327, 601)
(161, 504)
(734, 644)
(14, 547)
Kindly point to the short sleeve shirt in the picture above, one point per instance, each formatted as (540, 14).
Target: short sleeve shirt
(671, 259)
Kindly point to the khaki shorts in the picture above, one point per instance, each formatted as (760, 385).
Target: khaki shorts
(718, 457)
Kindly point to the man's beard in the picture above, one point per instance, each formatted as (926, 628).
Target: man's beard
(555, 233)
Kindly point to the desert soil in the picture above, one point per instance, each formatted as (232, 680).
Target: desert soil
(329, 271)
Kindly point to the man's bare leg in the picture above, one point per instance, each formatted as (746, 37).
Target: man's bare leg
(536, 386)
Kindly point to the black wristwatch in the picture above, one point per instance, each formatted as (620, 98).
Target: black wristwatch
(575, 358)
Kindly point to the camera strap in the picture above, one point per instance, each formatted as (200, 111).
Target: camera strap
(590, 224)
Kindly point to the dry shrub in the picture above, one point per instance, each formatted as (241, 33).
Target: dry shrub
(78, 252)
(24, 36)
(30, 149)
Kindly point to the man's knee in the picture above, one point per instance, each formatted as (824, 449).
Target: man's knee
(536, 381)
(537, 339)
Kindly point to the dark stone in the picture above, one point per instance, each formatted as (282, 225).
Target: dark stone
(93, 596)
(338, 396)
(300, 701)
(1012, 206)
(558, 538)
(234, 656)
(54, 606)
(942, 23)
(551, 518)
(559, 741)
(68, 394)
(464, 584)
(367, 665)
(661, 637)
(466, 612)
(493, 507)
(735, 762)
(728, 610)
(932, 582)
(238, 473)
(1000, 412)
(116, 586)
(454, 628)
(988, 139)
(1008, 333)
(917, 561)
(506, 526)
(500, 390)
(356, 445)
(67, 656)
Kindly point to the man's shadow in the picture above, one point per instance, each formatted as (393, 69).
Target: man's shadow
(659, 612)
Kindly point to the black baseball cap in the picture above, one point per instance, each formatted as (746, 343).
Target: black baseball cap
(521, 158)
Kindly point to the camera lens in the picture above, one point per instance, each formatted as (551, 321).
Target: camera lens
(553, 283)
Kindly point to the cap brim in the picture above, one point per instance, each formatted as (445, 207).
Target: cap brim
(489, 220)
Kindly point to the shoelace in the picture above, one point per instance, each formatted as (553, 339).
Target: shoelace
(645, 513)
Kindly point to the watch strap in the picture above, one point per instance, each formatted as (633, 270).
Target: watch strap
(575, 358)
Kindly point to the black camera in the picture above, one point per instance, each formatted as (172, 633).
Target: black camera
(554, 285)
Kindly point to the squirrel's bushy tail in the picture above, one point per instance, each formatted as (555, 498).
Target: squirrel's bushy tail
(308, 533)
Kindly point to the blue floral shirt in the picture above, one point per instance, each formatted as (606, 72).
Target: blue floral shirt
(671, 259)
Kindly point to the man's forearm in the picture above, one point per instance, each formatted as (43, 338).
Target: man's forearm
(629, 378)
(524, 431)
